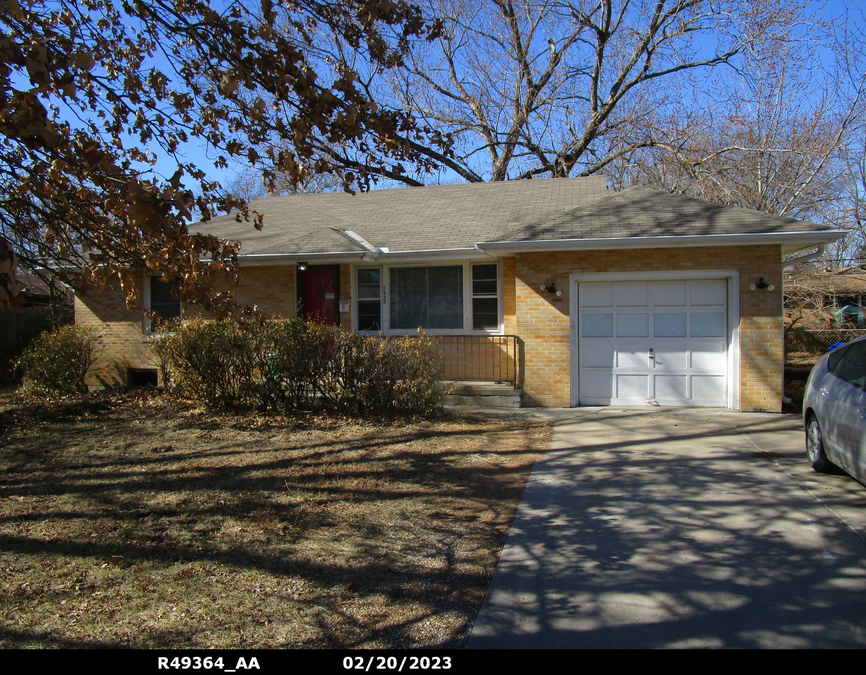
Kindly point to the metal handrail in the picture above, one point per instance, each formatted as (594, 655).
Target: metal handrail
(487, 358)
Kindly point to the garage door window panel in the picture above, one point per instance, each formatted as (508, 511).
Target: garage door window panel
(708, 325)
(632, 325)
(597, 325)
(669, 325)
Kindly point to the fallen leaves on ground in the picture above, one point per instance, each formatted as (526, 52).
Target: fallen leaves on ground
(137, 521)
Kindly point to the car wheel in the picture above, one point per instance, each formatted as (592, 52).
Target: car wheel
(815, 446)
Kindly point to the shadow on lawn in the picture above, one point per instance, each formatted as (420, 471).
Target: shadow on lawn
(298, 533)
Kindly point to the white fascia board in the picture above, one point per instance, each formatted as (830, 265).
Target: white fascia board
(437, 254)
(791, 242)
(293, 258)
(382, 256)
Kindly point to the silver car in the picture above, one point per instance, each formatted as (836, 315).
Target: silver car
(834, 410)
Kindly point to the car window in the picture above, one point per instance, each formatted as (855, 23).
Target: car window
(852, 366)
(834, 358)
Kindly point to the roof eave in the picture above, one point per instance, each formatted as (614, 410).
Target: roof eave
(332, 257)
(381, 255)
(790, 242)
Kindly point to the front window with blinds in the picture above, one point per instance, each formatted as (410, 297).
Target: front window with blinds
(426, 297)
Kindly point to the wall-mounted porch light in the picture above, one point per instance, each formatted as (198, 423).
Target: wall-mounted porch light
(302, 266)
(551, 288)
(761, 286)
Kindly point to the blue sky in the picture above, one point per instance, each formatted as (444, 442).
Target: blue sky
(197, 153)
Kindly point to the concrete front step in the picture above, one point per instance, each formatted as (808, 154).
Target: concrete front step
(484, 394)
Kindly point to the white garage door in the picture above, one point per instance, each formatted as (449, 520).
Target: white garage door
(653, 342)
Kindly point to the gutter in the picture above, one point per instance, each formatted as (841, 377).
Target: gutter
(382, 255)
(313, 258)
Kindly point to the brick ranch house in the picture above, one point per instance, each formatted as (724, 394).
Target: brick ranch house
(577, 295)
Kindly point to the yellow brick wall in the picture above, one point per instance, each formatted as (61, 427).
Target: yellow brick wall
(124, 345)
(539, 318)
(542, 319)
(269, 288)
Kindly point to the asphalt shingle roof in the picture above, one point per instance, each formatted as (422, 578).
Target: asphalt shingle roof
(459, 216)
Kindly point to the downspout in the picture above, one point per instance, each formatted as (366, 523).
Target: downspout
(805, 258)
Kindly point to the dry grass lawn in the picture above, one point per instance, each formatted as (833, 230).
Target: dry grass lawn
(139, 522)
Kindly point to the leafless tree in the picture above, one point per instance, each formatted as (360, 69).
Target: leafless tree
(555, 87)
(774, 137)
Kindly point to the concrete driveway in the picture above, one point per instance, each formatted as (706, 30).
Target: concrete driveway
(680, 528)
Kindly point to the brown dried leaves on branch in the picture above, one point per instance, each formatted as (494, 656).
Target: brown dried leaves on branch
(92, 91)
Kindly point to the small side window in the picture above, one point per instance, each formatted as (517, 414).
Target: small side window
(369, 300)
(163, 305)
(485, 297)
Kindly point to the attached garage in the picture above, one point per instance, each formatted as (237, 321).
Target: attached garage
(664, 339)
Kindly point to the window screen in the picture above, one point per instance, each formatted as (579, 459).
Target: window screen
(163, 305)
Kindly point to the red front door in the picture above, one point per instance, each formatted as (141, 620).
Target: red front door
(318, 296)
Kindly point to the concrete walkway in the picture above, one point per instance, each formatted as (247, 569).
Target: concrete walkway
(679, 528)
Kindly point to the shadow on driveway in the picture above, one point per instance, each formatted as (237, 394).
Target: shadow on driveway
(680, 528)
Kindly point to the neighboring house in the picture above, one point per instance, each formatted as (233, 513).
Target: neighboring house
(630, 298)
(43, 306)
(817, 298)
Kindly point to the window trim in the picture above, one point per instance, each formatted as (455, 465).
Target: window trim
(385, 297)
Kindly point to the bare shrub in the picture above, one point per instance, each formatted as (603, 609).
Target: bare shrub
(382, 374)
(209, 361)
(289, 365)
(297, 365)
(57, 362)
